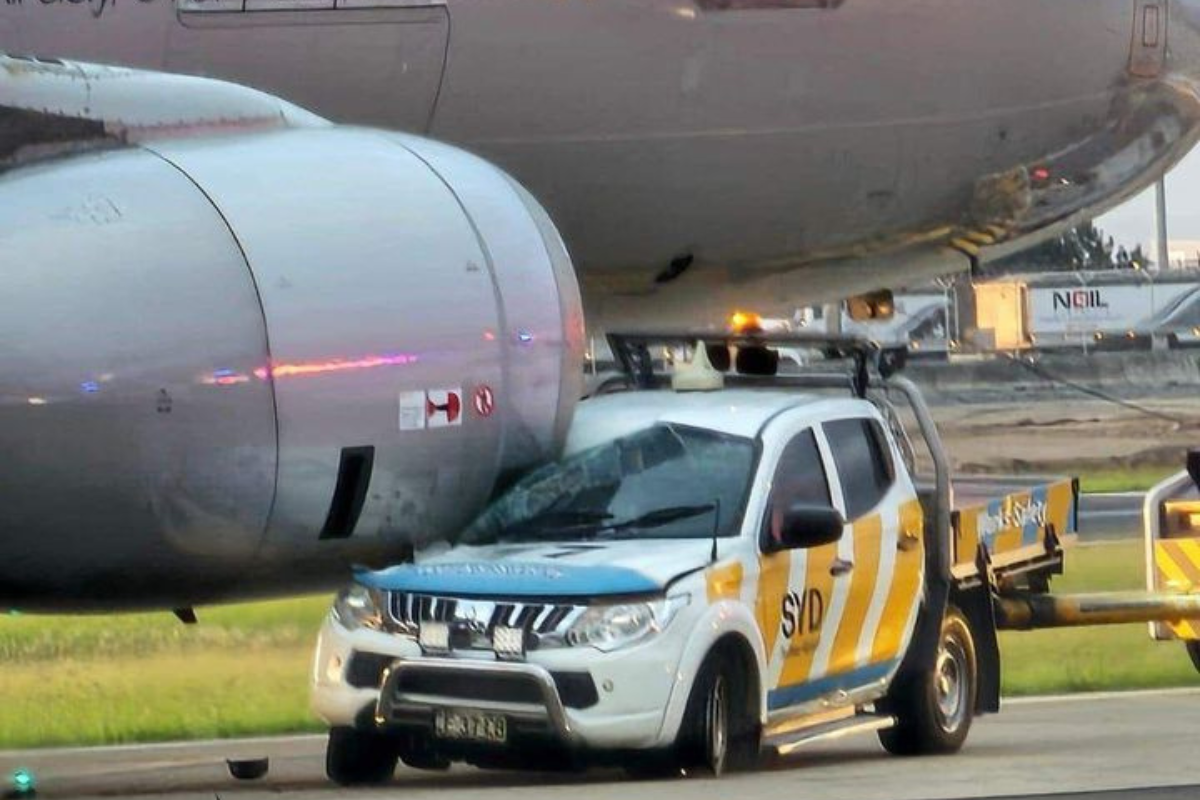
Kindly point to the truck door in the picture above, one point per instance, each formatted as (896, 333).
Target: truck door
(795, 585)
(874, 604)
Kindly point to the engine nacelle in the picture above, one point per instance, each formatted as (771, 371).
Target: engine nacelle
(233, 366)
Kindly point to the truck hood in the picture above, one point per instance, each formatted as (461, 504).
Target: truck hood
(563, 569)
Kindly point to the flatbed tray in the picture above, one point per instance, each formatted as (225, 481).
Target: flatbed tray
(1013, 517)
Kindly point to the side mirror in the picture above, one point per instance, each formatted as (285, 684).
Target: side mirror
(807, 526)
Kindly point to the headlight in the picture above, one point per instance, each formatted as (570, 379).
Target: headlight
(358, 607)
(612, 627)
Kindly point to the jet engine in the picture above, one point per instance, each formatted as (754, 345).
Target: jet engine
(234, 365)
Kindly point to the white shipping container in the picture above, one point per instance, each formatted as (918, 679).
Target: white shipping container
(1084, 310)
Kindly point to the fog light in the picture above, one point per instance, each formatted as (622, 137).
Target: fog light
(333, 670)
(434, 636)
(508, 642)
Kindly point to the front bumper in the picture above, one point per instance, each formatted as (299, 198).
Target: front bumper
(526, 694)
(580, 699)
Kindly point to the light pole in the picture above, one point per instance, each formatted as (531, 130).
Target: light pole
(1160, 224)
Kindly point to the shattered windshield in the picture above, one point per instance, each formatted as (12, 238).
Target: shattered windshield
(664, 482)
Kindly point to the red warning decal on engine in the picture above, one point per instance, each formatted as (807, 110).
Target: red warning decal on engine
(484, 400)
(443, 407)
(432, 408)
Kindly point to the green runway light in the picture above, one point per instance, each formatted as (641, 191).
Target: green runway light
(23, 783)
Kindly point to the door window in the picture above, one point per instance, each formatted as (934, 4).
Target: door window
(863, 460)
(799, 479)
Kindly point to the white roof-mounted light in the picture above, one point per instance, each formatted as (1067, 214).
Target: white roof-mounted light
(698, 374)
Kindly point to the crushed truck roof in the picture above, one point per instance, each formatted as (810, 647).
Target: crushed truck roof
(738, 412)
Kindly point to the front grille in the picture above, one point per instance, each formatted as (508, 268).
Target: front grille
(575, 689)
(469, 686)
(472, 621)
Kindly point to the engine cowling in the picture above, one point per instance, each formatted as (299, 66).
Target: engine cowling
(232, 366)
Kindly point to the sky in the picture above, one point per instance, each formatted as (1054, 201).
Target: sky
(1133, 223)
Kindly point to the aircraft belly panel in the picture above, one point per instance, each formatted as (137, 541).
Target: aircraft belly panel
(374, 66)
(776, 133)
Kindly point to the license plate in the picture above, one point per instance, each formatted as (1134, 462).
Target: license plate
(471, 726)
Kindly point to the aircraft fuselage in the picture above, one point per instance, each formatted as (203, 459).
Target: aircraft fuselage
(757, 134)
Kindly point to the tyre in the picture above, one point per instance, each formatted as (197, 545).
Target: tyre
(419, 755)
(934, 710)
(653, 766)
(359, 758)
(1193, 650)
(720, 730)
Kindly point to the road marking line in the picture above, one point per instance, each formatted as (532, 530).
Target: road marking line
(1086, 697)
(232, 744)
(235, 744)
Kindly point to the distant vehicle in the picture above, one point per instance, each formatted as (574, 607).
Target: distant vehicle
(701, 574)
(1178, 323)
(921, 325)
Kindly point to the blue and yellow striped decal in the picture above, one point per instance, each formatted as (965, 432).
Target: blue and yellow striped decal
(868, 613)
(802, 649)
(774, 571)
(1018, 520)
(906, 586)
(724, 581)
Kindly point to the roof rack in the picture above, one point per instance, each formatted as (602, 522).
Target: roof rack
(864, 356)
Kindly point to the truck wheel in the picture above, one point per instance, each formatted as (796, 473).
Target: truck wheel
(934, 710)
(417, 752)
(1193, 649)
(652, 766)
(719, 732)
(358, 758)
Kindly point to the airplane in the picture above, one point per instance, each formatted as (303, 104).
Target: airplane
(253, 334)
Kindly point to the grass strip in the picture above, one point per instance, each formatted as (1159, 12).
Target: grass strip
(244, 670)
(1124, 479)
(1105, 658)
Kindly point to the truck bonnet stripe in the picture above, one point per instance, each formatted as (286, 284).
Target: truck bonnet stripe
(511, 579)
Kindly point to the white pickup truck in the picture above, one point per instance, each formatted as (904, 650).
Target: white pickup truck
(702, 574)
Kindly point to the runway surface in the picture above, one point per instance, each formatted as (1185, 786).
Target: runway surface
(1110, 515)
(1107, 747)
